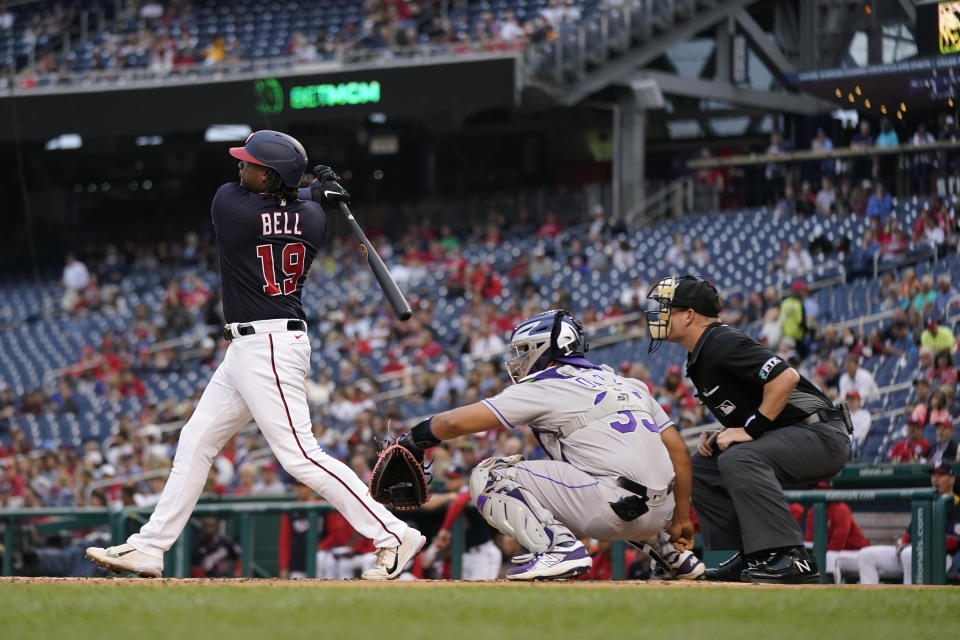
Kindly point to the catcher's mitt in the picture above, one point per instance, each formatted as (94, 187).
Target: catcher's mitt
(398, 480)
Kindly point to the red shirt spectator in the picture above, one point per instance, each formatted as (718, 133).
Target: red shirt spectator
(913, 447)
(843, 532)
(550, 227)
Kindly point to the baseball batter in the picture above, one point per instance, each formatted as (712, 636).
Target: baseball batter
(267, 239)
(618, 469)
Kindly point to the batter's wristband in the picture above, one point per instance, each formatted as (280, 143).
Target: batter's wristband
(422, 436)
(757, 424)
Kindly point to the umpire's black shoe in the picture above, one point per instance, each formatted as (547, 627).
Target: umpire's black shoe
(785, 566)
(727, 571)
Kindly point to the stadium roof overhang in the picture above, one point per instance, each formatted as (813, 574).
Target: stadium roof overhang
(919, 85)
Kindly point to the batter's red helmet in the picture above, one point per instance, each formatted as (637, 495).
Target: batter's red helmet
(282, 153)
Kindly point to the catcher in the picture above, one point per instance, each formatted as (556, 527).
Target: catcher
(618, 469)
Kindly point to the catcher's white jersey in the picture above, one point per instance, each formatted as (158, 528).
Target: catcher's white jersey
(618, 443)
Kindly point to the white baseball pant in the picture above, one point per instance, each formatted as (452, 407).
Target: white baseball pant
(581, 502)
(482, 562)
(262, 376)
(884, 561)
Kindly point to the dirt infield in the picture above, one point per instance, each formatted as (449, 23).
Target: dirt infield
(334, 584)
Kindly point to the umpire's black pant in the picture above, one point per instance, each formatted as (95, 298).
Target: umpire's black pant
(738, 494)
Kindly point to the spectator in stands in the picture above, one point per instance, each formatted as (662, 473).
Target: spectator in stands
(945, 448)
(826, 196)
(214, 555)
(921, 162)
(893, 243)
(775, 172)
(880, 202)
(895, 562)
(246, 480)
(76, 278)
(933, 411)
(771, 330)
(945, 293)
(936, 336)
(858, 378)
(269, 484)
(787, 205)
(699, 256)
(550, 228)
(914, 447)
(449, 388)
(798, 259)
(678, 255)
(510, 29)
(862, 421)
(897, 340)
(925, 299)
(888, 135)
(821, 142)
(485, 344)
(793, 319)
(942, 372)
(860, 260)
(862, 140)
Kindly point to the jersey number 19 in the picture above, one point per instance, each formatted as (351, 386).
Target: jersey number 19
(291, 262)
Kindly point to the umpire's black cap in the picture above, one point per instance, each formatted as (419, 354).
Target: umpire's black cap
(697, 294)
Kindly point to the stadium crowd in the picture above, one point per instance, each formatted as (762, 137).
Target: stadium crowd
(352, 400)
(173, 36)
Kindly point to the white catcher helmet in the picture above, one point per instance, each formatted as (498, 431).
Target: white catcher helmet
(543, 338)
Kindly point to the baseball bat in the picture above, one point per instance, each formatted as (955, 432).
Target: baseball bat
(390, 289)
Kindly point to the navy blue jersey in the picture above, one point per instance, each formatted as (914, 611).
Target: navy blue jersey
(265, 252)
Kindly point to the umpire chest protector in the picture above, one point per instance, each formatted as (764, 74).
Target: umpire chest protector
(730, 369)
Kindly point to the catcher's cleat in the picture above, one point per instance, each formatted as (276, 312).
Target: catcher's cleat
(392, 560)
(680, 565)
(786, 566)
(125, 559)
(562, 562)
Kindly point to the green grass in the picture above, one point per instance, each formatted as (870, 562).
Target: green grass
(463, 612)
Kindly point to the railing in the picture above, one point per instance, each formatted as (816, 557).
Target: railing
(177, 560)
(927, 528)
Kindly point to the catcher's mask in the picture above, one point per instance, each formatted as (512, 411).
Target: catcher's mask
(686, 292)
(542, 339)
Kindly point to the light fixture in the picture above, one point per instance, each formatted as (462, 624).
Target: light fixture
(227, 132)
(64, 141)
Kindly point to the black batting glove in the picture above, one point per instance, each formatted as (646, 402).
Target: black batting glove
(324, 173)
(327, 189)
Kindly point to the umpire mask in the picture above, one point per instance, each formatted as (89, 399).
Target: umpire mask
(658, 320)
(687, 292)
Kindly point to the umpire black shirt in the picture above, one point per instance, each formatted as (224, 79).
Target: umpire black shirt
(729, 369)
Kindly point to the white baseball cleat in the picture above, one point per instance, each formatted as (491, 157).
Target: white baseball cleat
(392, 560)
(682, 565)
(124, 558)
(567, 561)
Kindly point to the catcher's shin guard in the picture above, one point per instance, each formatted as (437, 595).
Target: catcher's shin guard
(511, 509)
